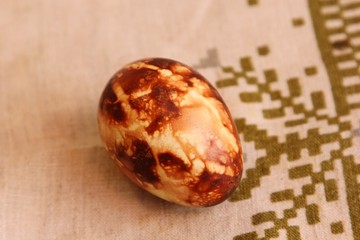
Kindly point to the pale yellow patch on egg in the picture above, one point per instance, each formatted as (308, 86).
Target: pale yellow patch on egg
(215, 167)
(139, 65)
(176, 78)
(177, 68)
(141, 93)
(197, 167)
(165, 73)
(166, 142)
(229, 171)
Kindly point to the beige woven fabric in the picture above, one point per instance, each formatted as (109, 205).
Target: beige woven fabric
(288, 70)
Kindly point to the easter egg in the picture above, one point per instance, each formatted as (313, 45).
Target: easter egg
(170, 132)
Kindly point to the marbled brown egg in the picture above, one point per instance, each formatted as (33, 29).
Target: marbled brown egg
(170, 132)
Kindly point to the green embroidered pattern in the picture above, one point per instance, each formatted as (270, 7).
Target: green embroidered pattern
(314, 152)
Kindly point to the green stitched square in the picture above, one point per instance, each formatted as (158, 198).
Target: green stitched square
(294, 87)
(253, 2)
(299, 202)
(308, 189)
(312, 214)
(246, 64)
(290, 213)
(327, 166)
(300, 171)
(337, 228)
(297, 22)
(271, 233)
(263, 50)
(310, 71)
(282, 195)
(331, 190)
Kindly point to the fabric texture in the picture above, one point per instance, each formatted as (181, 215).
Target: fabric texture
(288, 70)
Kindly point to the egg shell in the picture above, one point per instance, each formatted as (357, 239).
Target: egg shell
(170, 132)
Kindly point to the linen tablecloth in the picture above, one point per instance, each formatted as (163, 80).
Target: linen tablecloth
(288, 70)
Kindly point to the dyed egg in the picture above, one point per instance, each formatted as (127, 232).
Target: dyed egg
(170, 132)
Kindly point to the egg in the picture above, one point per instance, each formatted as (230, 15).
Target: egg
(170, 132)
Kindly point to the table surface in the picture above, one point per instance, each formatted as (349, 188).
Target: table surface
(288, 70)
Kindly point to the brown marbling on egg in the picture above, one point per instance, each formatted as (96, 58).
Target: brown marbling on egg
(170, 132)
